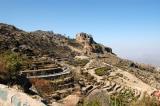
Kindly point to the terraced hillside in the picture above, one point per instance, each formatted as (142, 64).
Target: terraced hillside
(66, 72)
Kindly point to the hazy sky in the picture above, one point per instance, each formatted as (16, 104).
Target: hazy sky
(130, 27)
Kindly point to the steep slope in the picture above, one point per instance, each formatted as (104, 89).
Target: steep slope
(33, 43)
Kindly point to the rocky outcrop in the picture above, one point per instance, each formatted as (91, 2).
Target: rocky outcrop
(12, 97)
(89, 45)
(87, 42)
(84, 38)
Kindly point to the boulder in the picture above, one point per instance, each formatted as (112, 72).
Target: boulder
(71, 100)
(13, 97)
(99, 96)
(26, 49)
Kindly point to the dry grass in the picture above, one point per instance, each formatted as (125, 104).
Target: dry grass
(146, 101)
(122, 100)
(43, 86)
(146, 67)
(3, 72)
(2, 66)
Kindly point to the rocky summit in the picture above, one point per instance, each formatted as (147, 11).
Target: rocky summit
(89, 45)
(54, 70)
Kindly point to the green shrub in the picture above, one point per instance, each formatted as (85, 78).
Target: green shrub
(122, 99)
(102, 71)
(78, 62)
(128, 99)
(12, 64)
(116, 101)
(92, 103)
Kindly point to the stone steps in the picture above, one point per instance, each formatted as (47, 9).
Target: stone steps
(112, 88)
(137, 93)
(62, 81)
(68, 85)
(115, 89)
(107, 85)
(59, 77)
(120, 89)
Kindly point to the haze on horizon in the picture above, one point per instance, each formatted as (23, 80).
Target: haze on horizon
(130, 27)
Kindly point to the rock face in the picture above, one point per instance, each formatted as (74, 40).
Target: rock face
(87, 41)
(89, 45)
(12, 97)
(84, 38)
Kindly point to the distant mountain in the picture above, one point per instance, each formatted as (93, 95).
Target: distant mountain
(148, 59)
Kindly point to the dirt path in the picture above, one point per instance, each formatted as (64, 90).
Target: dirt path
(132, 81)
(125, 79)
(75, 49)
(92, 72)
